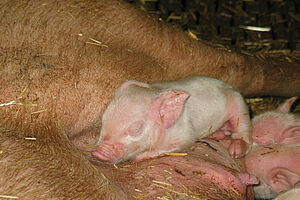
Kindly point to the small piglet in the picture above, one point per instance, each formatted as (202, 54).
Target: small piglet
(146, 120)
(276, 149)
(278, 126)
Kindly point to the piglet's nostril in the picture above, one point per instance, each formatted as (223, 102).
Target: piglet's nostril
(118, 146)
(101, 156)
(108, 151)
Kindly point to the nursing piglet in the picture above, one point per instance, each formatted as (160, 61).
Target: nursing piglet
(276, 149)
(146, 120)
(278, 169)
(278, 126)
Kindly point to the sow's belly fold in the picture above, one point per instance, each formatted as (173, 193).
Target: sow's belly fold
(206, 172)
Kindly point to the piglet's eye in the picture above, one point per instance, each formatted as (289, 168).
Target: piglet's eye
(134, 129)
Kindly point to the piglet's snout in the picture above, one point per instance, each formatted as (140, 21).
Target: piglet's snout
(263, 140)
(108, 152)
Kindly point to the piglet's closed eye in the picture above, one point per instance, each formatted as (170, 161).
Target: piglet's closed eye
(135, 129)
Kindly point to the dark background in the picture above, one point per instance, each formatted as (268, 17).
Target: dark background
(221, 23)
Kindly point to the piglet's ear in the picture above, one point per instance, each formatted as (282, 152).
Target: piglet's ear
(282, 179)
(167, 107)
(291, 135)
(126, 84)
(287, 104)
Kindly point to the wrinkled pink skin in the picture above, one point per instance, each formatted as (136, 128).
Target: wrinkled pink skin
(275, 158)
(144, 121)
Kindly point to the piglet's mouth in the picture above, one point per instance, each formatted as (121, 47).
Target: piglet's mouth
(108, 152)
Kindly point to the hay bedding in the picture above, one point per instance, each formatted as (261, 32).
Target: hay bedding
(233, 25)
(260, 28)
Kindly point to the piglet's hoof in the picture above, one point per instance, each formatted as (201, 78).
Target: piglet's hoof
(237, 148)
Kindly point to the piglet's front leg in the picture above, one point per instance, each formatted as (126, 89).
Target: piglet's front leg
(239, 119)
(236, 147)
(237, 128)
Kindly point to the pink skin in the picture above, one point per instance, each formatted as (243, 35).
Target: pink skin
(165, 120)
(278, 126)
(276, 166)
(109, 152)
(275, 159)
(238, 119)
(143, 122)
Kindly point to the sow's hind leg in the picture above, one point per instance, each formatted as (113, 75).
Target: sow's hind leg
(237, 127)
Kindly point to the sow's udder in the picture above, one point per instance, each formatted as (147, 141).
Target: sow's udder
(206, 172)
